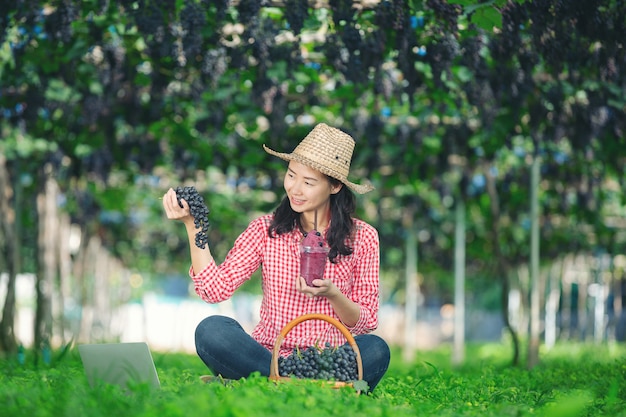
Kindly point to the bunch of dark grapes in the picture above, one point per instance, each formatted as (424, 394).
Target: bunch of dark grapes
(193, 20)
(388, 13)
(215, 64)
(351, 38)
(328, 363)
(447, 13)
(149, 17)
(221, 7)
(198, 210)
(248, 11)
(343, 10)
(92, 107)
(296, 12)
(58, 24)
(399, 7)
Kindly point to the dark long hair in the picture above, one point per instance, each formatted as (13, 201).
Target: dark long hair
(342, 207)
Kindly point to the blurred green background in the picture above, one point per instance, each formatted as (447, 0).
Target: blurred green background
(491, 130)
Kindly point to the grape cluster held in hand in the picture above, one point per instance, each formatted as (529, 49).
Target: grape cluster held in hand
(330, 363)
(199, 211)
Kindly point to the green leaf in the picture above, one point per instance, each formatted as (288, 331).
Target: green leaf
(361, 386)
(463, 73)
(142, 80)
(470, 8)
(487, 18)
(432, 143)
(95, 87)
(6, 58)
(59, 91)
(278, 71)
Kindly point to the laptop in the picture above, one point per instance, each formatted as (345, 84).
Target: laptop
(123, 364)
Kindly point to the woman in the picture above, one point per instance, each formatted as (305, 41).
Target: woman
(319, 196)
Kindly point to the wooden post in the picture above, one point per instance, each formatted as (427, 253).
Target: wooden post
(412, 296)
(458, 355)
(533, 337)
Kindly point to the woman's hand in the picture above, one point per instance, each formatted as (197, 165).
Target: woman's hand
(172, 209)
(200, 257)
(323, 288)
(347, 310)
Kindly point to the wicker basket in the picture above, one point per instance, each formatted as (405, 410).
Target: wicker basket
(274, 372)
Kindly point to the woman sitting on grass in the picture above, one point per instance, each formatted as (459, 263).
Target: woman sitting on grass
(318, 197)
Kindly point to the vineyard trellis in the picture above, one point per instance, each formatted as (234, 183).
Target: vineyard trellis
(106, 94)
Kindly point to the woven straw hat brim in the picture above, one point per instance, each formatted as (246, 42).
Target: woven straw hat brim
(357, 188)
(328, 150)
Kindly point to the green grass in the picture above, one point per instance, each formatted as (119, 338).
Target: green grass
(572, 380)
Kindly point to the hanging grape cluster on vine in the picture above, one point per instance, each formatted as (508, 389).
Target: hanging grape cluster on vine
(115, 75)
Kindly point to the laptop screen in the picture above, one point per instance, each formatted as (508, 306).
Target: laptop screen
(119, 363)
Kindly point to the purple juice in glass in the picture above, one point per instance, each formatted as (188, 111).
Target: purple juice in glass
(313, 255)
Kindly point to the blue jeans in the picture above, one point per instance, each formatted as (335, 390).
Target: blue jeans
(227, 350)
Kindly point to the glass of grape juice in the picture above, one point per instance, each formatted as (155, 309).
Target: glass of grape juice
(312, 262)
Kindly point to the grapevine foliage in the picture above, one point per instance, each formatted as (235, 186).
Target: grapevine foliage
(113, 84)
(198, 210)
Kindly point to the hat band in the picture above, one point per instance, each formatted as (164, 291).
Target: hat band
(334, 170)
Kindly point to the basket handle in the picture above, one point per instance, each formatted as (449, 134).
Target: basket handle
(274, 373)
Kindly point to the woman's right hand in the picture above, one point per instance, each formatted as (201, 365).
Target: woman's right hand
(172, 209)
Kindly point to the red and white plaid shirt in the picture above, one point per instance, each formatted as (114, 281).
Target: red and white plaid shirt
(356, 276)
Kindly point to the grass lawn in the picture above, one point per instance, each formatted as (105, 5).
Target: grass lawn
(572, 380)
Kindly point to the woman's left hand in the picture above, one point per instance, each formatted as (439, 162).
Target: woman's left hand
(323, 288)
(347, 310)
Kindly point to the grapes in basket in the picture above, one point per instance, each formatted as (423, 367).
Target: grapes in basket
(329, 362)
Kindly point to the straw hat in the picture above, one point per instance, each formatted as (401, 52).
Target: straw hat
(328, 150)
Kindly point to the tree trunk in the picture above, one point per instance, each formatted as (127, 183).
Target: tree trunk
(47, 268)
(412, 297)
(413, 294)
(535, 308)
(9, 248)
(458, 355)
(598, 291)
(566, 297)
(102, 294)
(65, 268)
(620, 307)
(502, 268)
(79, 271)
(552, 303)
